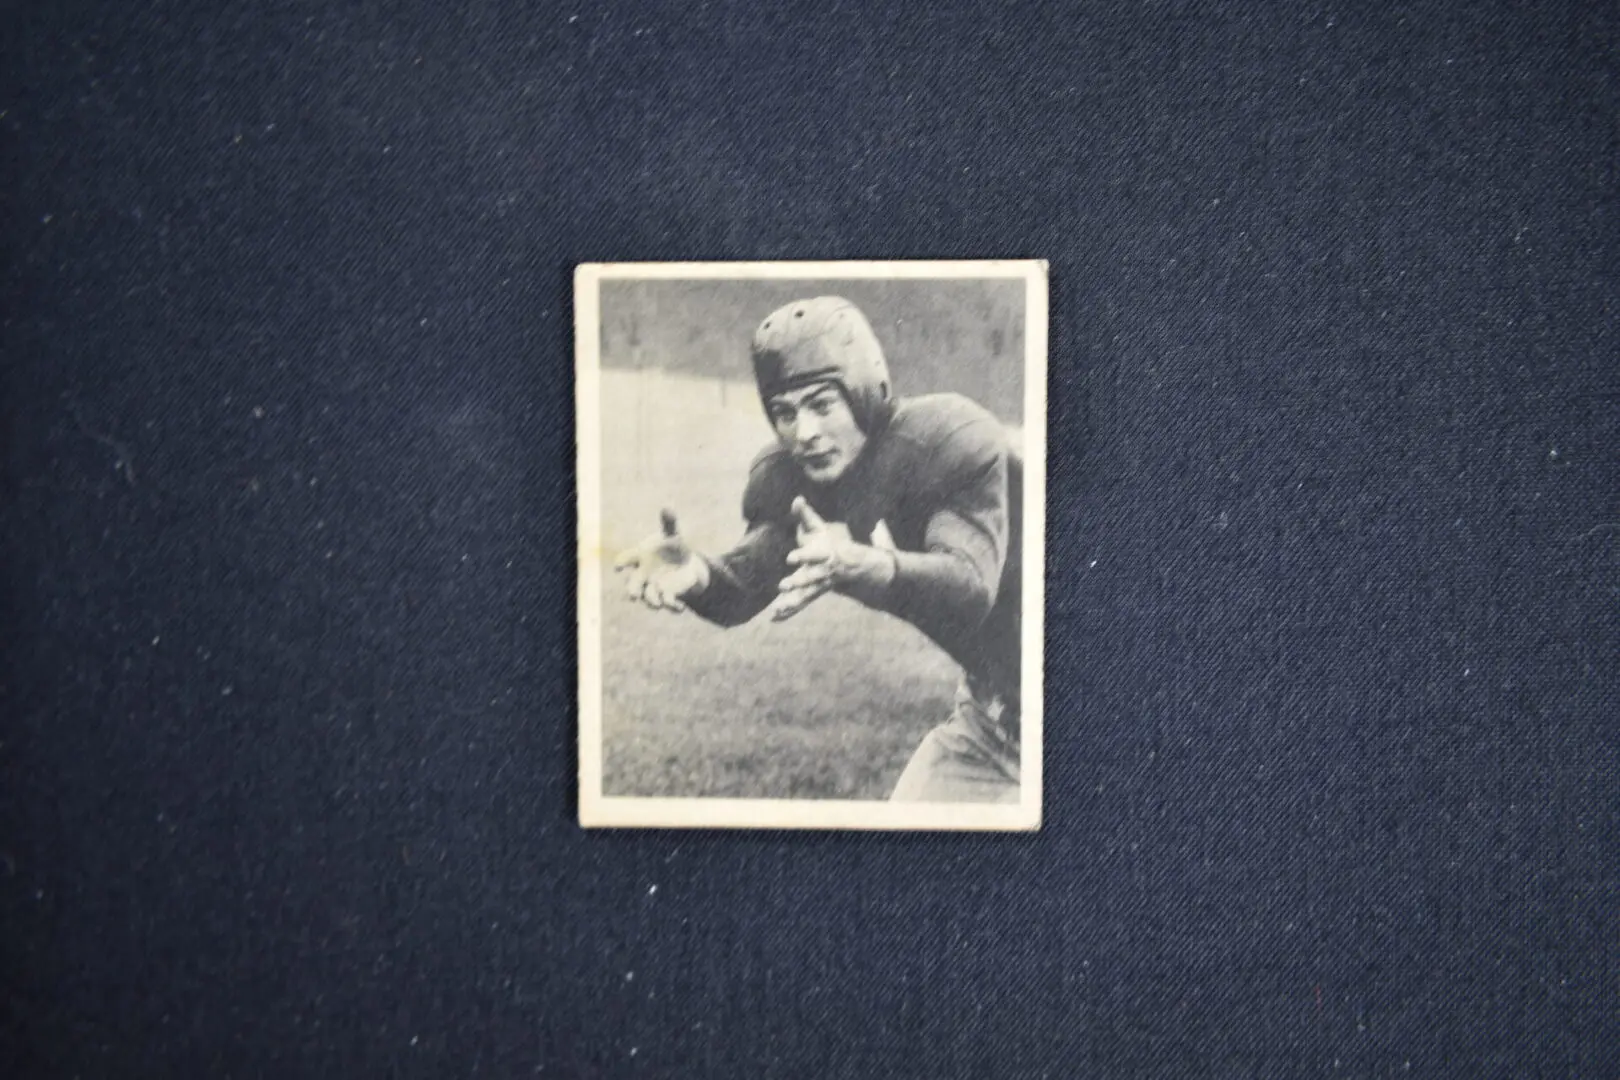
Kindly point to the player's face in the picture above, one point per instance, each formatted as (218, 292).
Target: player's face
(816, 426)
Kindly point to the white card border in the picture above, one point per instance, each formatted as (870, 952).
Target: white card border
(599, 810)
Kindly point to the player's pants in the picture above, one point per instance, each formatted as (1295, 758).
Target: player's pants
(972, 757)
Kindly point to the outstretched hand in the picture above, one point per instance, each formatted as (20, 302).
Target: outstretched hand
(663, 570)
(828, 558)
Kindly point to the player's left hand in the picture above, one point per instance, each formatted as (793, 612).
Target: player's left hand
(828, 558)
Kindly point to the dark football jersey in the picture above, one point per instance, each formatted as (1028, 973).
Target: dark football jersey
(946, 483)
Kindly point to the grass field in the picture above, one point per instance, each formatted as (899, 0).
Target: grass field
(828, 705)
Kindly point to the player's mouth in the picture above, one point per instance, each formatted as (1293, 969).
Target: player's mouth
(820, 461)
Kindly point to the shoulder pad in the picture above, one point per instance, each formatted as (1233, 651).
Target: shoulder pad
(953, 430)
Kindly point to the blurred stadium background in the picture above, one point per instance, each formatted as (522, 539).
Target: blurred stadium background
(827, 705)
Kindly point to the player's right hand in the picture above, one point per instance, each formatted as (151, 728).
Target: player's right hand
(663, 570)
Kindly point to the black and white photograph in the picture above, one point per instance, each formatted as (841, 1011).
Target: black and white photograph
(810, 528)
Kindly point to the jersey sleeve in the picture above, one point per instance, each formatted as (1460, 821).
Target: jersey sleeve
(949, 587)
(743, 581)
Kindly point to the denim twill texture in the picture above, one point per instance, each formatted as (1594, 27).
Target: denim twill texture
(286, 773)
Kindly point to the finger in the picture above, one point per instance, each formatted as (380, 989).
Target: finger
(810, 553)
(666, 519)
(674, 604)
(784, 612)
(626, 559)
(809, 520)
(790, 604)
(663, 595)
(636, 585)
(806, 577)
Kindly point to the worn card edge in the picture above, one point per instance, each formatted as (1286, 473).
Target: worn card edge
(597, 810)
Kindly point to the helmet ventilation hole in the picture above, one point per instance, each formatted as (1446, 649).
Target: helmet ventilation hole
(799, 314)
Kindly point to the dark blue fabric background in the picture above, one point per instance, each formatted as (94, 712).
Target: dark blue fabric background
(286, 772)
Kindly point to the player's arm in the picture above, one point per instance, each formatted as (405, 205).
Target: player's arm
(949, 587)
(665, 574)
(742, 582)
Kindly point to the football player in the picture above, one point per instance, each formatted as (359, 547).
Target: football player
(909, 505)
